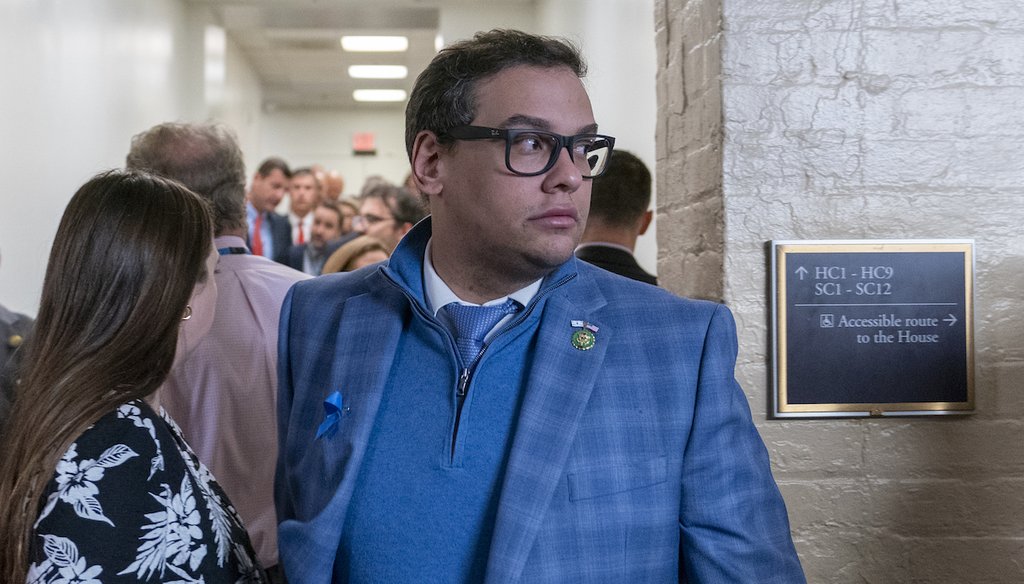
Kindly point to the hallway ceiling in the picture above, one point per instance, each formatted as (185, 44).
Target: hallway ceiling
(294, 45)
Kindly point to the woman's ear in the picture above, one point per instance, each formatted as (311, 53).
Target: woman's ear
(426, 163)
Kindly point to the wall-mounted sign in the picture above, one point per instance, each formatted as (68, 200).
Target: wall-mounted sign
(872, 328)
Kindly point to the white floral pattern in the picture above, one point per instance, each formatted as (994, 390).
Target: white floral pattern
(172, 537)
(63, 563)
(220, 514)
(110, 518)
(134, 413)
(76, 481)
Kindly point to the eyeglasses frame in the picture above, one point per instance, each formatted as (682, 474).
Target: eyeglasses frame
(371, 219)
(508, 134)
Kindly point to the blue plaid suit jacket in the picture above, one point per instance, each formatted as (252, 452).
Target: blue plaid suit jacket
(635, 461)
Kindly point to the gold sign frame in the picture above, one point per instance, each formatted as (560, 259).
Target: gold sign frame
(781, 250)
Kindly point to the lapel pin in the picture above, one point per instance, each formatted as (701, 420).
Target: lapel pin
(584, 337)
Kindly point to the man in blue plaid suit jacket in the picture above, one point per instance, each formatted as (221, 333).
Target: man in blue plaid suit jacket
(598, 436)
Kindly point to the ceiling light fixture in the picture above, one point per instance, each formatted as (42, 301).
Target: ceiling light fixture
(378, 95)
(375, 44)
(378, 71)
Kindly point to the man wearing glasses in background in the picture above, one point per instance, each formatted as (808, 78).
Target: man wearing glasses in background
(486, 408)
(387, 212)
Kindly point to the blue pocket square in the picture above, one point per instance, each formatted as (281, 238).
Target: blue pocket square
(332, 415)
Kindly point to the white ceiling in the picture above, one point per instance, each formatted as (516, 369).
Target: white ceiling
(294, 45)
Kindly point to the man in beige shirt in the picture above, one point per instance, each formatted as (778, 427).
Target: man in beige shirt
(224, 396)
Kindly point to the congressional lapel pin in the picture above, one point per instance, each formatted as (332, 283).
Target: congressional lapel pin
(333, 408)
(584, 337)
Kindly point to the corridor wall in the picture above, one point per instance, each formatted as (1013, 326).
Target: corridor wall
(81, 78)
(860, 120)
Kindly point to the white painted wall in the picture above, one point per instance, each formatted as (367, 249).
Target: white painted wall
(617, 39)
(84, 76)
(239, 103)
(461, 20)
(81, 78)
(874, 120)
(305, 137)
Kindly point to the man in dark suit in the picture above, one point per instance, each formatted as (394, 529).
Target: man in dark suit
(324, 239)
(618, 215)
(270, 234)
(483, 407)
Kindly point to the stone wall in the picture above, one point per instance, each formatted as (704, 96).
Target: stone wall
(689, 147)
(860, 119)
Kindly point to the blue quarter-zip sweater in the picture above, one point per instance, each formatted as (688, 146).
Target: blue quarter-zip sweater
(425, 500)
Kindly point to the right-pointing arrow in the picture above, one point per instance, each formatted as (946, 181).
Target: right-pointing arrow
(951, 320)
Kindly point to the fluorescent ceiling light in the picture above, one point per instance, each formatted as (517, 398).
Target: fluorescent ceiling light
(378, 95)
(378, 72)
(375, 44)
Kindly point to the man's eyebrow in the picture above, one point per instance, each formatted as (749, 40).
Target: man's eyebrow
(524, 121)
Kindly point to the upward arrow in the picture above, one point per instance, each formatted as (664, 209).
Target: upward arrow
(801, 271)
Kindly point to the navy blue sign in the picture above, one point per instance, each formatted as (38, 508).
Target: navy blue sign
(872, 328)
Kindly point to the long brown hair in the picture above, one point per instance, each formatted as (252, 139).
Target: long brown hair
(127, 254)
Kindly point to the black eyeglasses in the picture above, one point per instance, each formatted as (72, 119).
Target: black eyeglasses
(533, 152)
(368, 220)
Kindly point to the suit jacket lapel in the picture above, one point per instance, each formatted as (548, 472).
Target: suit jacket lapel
(558, 389)
(360, 372)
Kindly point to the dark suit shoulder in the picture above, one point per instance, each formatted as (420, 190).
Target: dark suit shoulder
(615, 260)
(295, 253)
(281, 231)
(635, 297)
(278, 219)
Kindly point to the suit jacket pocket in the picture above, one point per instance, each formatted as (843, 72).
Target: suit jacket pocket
(608, 480)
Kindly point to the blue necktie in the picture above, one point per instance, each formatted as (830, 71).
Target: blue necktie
(472, 323)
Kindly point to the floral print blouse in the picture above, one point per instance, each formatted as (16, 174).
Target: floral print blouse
(130, 502)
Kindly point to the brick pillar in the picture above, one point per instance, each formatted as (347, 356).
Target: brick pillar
(689, 147)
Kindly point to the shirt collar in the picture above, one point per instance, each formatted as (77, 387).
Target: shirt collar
(438, 294)
(306, 220)
(229, 241)
(604, 244)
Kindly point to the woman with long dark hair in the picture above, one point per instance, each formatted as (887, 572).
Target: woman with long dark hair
(96, 482)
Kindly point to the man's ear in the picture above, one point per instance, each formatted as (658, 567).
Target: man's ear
(645, 221)
(426, 163)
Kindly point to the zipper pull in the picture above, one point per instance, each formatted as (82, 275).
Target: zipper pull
(463, 382)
